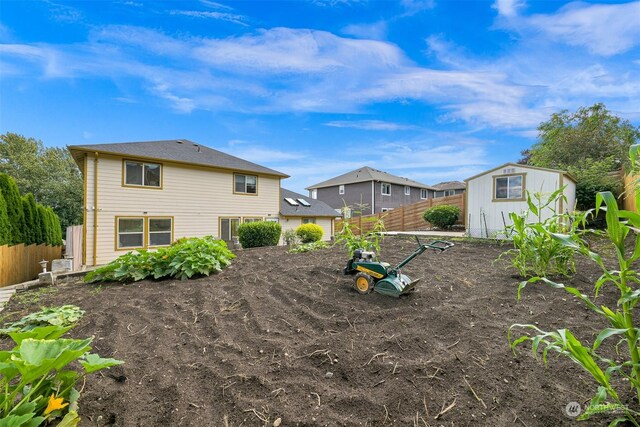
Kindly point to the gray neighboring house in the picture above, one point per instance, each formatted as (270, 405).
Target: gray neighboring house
(379, 190)
(296, 209)
(449, 188)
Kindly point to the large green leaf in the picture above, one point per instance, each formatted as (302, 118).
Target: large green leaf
(38, 357)
(93, 362)
(40, 333)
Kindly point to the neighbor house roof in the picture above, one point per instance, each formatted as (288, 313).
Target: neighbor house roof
(365, 174)
(175, 150)
(518, 165)
(316, 208)
(450, 185)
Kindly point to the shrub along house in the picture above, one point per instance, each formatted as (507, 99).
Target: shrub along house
(140, 195)
(296, 209)
(379, 190)
(493, 194)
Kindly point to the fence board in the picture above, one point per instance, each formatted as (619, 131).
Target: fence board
(19, 263)
(406, 218)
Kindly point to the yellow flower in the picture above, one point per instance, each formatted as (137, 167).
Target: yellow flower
(54, 404)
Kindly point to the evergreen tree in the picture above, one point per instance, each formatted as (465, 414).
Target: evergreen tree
(5, 225)
(14, 208)
(33, 229)
(41, 223)
(56, 228)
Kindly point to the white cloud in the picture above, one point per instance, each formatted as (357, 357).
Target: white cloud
(508, 8)
(369, 125)
(375, 31)
(414, 6)
(221, 16)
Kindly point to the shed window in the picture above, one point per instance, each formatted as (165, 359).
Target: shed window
(385, 188)
(509, 187)
(246, 184)
(142, 174)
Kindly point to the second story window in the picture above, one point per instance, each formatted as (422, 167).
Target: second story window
(423, 193)
(142, 174)
(341, 189)
(407, 190)
(245, 184)
(385, 188)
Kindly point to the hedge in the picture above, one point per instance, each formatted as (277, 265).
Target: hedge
(259, 233)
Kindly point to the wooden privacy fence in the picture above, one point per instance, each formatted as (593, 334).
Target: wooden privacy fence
(406, 218)
(19, 263)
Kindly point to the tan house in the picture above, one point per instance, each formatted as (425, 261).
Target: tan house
(296, 209)
(148, 194)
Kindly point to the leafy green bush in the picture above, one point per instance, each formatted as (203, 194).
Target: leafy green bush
(182, 260)
(309, 233)
(259, 233)
(38, 376)
(443, 216)
(309, 247)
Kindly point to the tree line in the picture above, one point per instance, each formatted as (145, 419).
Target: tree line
(23, 220)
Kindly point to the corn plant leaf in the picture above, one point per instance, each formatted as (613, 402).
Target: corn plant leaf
(617, 421)
(616, 319)
(580, 354)
(606, 333)
(93, 362)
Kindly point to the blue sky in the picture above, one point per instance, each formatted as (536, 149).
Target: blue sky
(433, 90)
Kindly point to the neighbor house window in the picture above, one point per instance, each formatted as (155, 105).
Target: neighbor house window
(160, 231)
(386, 209)
(130, 233)
(245, 184)
(308, 220)
(142, 174)
(314, 194)
(341, 189)
(450, 193)
(407, 190)
(386, 188)
(509, 187)
(423, 193)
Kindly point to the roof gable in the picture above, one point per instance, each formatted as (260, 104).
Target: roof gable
(365, 174)
(176, 150)
(518, 165)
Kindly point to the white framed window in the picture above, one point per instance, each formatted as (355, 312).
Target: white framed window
(450, 193)
(341, 189)
(142, 174)
(407, 190)
(308, 220)
(245, 184)
(509, 187)
(160, 231)
(385, 189)
(229, 229)
(272, 219)
(130, 233)
(423, 193)
(314, 194)
(256, 219)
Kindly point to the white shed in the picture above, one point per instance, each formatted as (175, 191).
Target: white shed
(493, 194)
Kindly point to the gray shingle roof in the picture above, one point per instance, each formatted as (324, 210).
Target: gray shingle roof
(365, 174)
(177, 150)
(450, 185)
(317, 208)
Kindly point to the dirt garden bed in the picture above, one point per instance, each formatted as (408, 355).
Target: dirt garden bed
(281, 335)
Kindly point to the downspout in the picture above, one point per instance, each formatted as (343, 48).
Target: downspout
(84, 214)
(373, 197)
(95, 208)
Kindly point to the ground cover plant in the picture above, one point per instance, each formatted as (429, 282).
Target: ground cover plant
(183, 259)
(622, 360)
(308, 247)
(279, 335)
(38, 375)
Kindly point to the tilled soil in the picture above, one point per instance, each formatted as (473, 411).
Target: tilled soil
(281, 335)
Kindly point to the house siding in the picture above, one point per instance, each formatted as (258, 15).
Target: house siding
(293, 222)
(361, 193)
(195, 197)
(480, 193)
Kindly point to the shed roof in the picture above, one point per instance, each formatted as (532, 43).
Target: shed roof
(518, 165)
(317, 208)
(365, 174)
(175, 150)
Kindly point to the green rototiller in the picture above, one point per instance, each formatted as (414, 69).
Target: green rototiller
(380, 276)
